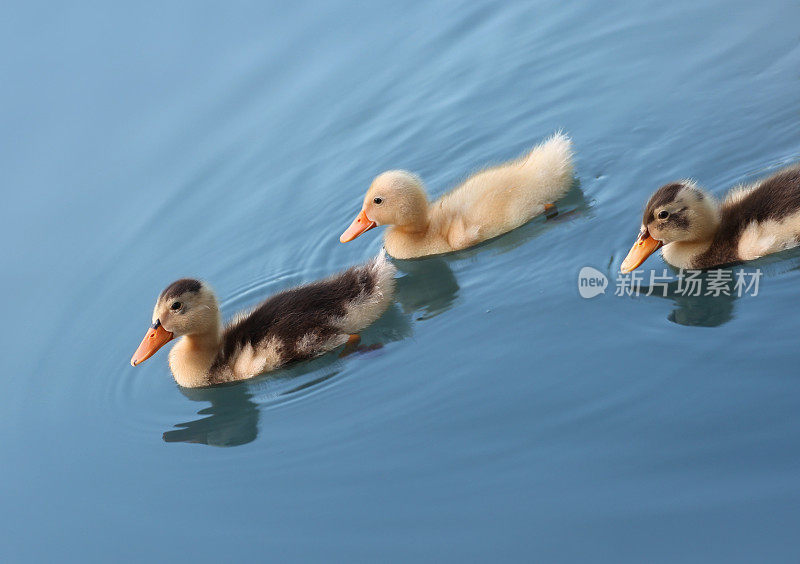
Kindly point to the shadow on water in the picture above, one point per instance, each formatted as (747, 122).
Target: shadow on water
(427, 288)
(698, 306)
(707, 299)
(232, 418)
(697, 310)
(702, 311)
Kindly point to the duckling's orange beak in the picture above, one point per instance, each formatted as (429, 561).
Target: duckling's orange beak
(155, 338)
(644, 246)
(361, 224)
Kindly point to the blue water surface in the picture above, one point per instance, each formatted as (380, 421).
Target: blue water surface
(505, 417)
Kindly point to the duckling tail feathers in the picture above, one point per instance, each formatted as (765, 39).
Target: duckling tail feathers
(384, 271)
(376, 285)
(551, 166)
(554, 152)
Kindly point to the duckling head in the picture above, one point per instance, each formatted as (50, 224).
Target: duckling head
(185, 307)
(680, 212)
(395, 197)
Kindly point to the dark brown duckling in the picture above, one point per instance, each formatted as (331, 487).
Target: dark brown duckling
(698, 232)
(295, 324)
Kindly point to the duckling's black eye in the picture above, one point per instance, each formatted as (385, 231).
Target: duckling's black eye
(378, 200)
(663, 214)
(175, 306)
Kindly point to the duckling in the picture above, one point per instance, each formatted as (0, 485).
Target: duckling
(488, 204)
(296, 324)
(698, 232)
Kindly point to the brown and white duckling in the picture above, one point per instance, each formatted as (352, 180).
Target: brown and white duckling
(489, 203)
(295, 324)
(696, 231)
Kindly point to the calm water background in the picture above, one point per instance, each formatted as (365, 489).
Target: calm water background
(505, 416)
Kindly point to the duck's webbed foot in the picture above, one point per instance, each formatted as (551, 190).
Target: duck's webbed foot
(351, 345)
(550, 211)
(354, 345)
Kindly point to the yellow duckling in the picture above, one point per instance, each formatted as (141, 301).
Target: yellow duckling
(295, 324)
(696, 231)
(489, 203)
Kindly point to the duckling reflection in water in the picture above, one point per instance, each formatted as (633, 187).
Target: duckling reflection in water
(696, 310)
(429, 286)
(295, 324)
(231, 420)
